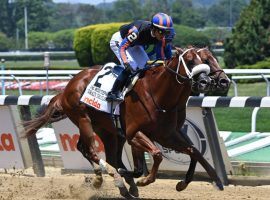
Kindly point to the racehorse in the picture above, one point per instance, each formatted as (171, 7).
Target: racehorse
(220, 81)
(148, 113)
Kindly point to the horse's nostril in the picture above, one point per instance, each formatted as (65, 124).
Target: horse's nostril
(223, 83)
(203, 82)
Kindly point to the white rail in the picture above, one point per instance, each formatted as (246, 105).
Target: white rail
(39, 72)
(67, 74)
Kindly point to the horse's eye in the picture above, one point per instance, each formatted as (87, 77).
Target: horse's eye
(191, 62)
(206, 62)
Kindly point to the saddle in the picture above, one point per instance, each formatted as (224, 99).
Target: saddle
(96, 92)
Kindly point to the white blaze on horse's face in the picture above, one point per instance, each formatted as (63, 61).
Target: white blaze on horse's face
(195, 70)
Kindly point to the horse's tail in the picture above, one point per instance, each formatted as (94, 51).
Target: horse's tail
(50, 113)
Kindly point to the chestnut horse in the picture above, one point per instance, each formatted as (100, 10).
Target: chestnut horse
(148, 113)
(220, 82)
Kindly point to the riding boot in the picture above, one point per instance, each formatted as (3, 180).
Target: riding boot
(114, 94)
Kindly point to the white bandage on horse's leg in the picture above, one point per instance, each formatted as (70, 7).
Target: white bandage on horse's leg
(103, 164)
(108, 168)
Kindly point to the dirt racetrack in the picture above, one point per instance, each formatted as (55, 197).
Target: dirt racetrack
(23, 185)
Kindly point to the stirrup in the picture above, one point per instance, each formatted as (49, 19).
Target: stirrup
(113, 97)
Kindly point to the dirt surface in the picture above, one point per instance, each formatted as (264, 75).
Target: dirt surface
(23, 185)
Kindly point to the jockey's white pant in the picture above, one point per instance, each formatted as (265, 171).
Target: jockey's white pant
(136, 55)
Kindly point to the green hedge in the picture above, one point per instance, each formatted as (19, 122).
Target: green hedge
(63, 40)
(39, 40)
(265, 64)
(100, 39)
(82, 45)
(91, 43)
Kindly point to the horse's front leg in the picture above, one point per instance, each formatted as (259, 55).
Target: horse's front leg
(143, 143)
(181, 116)
(181, 185)
(177, 143)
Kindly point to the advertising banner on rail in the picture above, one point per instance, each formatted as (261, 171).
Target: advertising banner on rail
(11, 154)
(194, 129)
(67, 135)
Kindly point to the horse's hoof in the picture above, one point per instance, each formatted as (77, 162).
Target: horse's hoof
(122, 171)
(97, 181)
(181, 185)
(118, 181)
(143, 182)
(218, 185)
(124, 193)
(134, 191)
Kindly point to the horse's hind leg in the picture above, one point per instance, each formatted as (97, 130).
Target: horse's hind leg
(97, 180)
(179, 144)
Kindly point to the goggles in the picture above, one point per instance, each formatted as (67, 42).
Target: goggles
(163, 31)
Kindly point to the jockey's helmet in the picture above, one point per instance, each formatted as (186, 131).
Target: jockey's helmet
(162, 21)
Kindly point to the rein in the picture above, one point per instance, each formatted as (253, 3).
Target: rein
(219, 70)
(178, 75)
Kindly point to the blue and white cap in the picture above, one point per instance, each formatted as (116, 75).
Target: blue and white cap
(162, 21)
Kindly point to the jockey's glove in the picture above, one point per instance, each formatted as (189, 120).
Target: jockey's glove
(128, 66)
(128, 69)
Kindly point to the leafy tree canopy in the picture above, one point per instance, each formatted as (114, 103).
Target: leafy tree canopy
(250, 40)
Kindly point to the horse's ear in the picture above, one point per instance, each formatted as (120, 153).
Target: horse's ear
(179, 50)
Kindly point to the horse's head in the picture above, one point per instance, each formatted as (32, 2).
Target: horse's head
(191, 67)
(220, 79)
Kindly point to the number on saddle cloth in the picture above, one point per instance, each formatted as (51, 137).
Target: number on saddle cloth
(96, 92)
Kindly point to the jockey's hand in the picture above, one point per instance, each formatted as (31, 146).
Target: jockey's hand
(128, 66)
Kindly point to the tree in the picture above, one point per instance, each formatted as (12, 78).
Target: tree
(250, 41)
(7, 22)
(184, 13)
(127, 10)
(219, 14)
(38, 13)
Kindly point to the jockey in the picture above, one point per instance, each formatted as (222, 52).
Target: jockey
(128, 45)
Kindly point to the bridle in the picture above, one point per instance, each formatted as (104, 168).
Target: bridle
(213, 72)
(197, 69)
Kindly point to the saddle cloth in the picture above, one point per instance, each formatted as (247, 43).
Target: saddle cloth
(97, 90)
